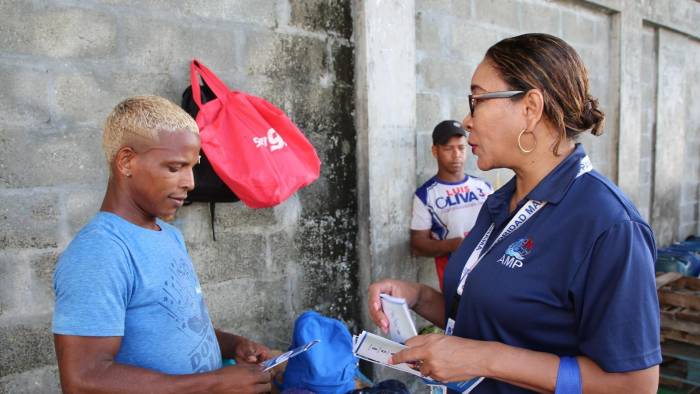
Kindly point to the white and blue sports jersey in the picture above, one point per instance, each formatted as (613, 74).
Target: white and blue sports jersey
(577, 278)
(449, 210)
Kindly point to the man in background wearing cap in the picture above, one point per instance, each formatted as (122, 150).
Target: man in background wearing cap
(446, 206)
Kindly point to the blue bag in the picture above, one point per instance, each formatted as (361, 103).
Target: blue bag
(327, 368)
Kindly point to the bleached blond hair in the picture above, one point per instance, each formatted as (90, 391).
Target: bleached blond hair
(143, 116)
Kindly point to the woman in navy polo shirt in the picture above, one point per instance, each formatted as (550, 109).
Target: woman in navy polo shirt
(554, 287)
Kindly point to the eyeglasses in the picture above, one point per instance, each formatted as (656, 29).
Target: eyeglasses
(473, 98)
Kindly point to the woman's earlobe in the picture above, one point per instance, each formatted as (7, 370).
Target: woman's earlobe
(534, 105)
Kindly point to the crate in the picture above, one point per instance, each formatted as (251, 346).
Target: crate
(679, 304)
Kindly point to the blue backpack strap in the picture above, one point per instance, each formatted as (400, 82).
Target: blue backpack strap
(568, 376)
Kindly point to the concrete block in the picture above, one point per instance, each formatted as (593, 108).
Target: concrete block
(459, 107)
(502, 13)
(174, 45)
(284, 253)
(288, 212)
(332, 236)
(343, 58)
(55, 158)
(87, 98)
(28, 220)
(232, 256)
(469, 42)
(689, 193)
(25, 348)
(43, 380)
(430, 33)
(82, 205)
(259, 310)
(194, 221)
(26, 288)
(462, 9)
(425, 162)
(42, 266)
(24, 101)
(302, 60)
(437, 75)
(577, 27)
(262, 13)
(428, 111)
(443, 7)
(34, 29)
(238, 217)
(322, 15)
(541, 18)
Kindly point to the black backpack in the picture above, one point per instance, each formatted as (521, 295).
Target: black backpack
(208, 186)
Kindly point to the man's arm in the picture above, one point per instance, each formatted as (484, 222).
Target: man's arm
(423, 245)
(241, 349)
(86, 365)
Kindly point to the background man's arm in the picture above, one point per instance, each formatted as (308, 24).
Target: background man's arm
(423, 245)
(87, 365)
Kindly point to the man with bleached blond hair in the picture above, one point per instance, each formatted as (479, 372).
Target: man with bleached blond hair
(130, 315)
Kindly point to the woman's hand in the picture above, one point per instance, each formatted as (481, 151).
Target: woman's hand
(396, 288)
(446, 358)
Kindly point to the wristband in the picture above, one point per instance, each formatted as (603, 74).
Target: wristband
(568, 377)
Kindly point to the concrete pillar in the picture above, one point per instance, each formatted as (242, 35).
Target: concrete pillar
(385, 94)
(629, 43)
(670, 137)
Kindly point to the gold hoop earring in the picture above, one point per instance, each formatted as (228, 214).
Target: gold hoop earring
(520, 145)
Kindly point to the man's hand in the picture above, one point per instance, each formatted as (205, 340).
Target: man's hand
(247, 351)
(422, 244)
(243, 378)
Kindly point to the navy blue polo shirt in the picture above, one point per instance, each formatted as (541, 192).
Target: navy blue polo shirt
(577, 278)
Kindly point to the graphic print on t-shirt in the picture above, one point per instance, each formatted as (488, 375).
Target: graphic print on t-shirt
(448, 210)
(183, 301)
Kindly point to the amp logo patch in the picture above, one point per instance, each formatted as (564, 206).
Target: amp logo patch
(516, 253)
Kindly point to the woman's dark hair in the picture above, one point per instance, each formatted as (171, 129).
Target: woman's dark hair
(544, 62)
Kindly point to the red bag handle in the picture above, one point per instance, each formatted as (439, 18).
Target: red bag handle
(217, 86)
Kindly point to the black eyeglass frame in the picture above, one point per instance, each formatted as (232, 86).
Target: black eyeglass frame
(473, 98)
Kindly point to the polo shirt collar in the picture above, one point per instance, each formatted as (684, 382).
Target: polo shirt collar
(551, 188)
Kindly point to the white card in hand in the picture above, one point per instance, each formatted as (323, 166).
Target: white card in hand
(401, 326)
(273, 362)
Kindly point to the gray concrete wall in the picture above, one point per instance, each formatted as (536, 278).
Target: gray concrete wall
(640, 57)
(65, 63)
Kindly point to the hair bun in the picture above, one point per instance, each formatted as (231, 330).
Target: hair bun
(592, 117)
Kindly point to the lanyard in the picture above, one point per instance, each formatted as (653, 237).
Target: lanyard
(523, 215)
(526, 212)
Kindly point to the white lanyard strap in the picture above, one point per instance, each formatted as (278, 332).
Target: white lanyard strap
(523, 215)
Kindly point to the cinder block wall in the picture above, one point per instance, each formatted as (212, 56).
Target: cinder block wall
(642, 63)
(452, 38)
(65, 63)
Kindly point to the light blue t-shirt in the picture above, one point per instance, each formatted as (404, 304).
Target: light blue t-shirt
(119, 279)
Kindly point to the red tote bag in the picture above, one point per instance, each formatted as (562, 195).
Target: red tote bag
(252, 145)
